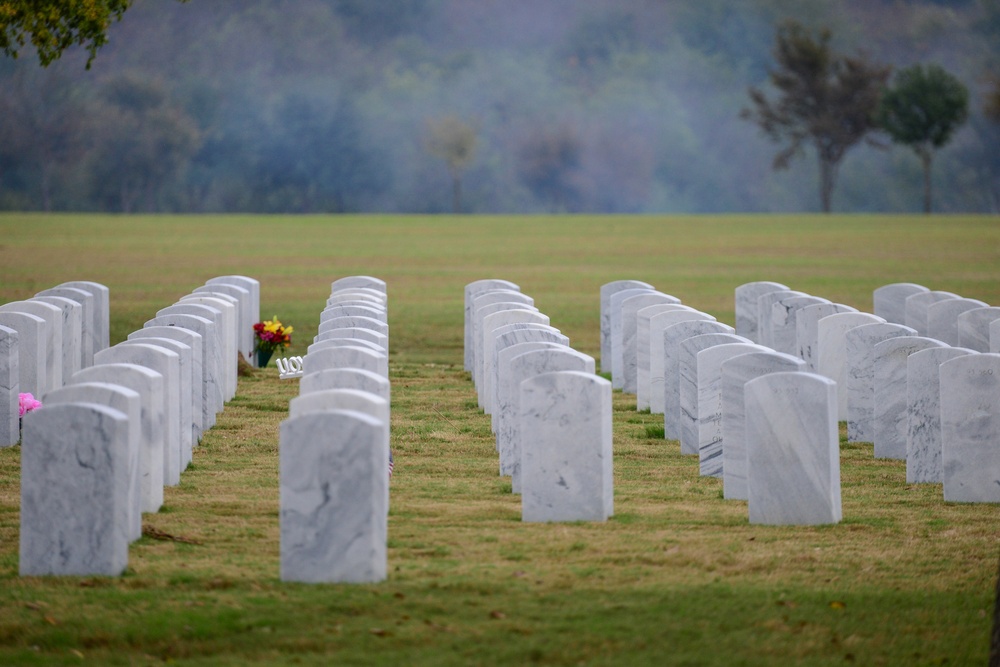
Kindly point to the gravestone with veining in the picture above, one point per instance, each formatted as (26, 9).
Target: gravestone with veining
(510, 336)
(101, 312)
(74, 491)
(252, 285)
(346, 356)
(673, 336)
(506, 388)
(916, 306)
(970, 428)
(480, 312)
(345, 378)
(193, 340)
(995, 336)
(373, 311)
(356, 332)
(711, 440)
(245, 319)
(889, 301)
(88, 304)
(765, 313)
(793, 451)
(369, 282)
(607, 289)
(974, 327)
(353, 322)
(923, 412)
(166, 363)
(129, 403)
(72, 332)
(340, 342)
(687, 384)
(784, 315)
(50, 331)
(9, 388)
(494, 326)
(334, 497)
(657, 326)
(859, 351)
(630, 308)
(746, 306)
(150, 386)
(226, 322)
(472, 290)
(615, 316)
(566, 449)
(832, 350)
(30, 350)
(890, 412)
(643, 351)
(807, 331)
(522, 367)
(942, 318)
(736, 372)
(212, 390)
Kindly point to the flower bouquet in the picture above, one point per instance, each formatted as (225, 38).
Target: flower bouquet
(269, 335)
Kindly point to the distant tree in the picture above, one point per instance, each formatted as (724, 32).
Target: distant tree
(549, 162)
(453, 141)
(825, 99)
(922, 110)
(53, 26)
(991, 107)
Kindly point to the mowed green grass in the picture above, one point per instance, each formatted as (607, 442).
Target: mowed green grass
(677, 576)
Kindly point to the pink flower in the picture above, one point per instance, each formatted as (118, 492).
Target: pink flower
(27, 403)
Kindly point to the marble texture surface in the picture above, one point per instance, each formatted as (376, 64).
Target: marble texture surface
(673, 336)
(765, 312)
(368, 282)
(167, 364)
(228, 334)
(746, 306)
(252, 307)
(916, 305)
(491, 302)
(101, 312)
(658, 324)
(332, 341)
(479, 315)
(687, 386)
(859, 361)
(629, 314)
(244, 322)
(784, 315)
(497, 325)
(923, 412)
(995, 336)
(513, 334)
(129, 403)
(373, 311)
(889, 301)
(346, 356)
(213, 391)
(832, 350)
(472, 290)
(566, 449)
(793, 451)
(708, 367)
(87, 301)
(193, 340)
(525, 365)
(185, 372)
(807, 331)
(974, 328)
(150, 386)
(970, 428)
(50, 332)
(889, 417)
(345, 378)
(31, 350)
(643, 351)
(505, 389)
(607, 289)
(74, 491)
(356, 332)
(72, 332)
(942, 318)
(351, 323)
(617, 348)
(10, 431)
(334, 498)
(736, 372)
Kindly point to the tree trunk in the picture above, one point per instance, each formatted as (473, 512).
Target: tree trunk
(926, 157)
(827, 180)
(456, 194)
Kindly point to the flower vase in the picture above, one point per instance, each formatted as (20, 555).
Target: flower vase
(263, 356)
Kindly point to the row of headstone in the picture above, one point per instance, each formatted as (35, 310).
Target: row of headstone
(550, 412)
(44, 340)
(334, 446)
(100, 451)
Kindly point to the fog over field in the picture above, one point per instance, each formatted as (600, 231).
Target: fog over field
(560, 106)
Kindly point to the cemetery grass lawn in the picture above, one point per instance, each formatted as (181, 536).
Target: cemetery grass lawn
(677, 576)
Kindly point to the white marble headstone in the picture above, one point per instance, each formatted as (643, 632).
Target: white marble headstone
(687, 386)
(916, 305)
(746, 306)
(506, 388)
(765, 313)
(50, 331)
(356, 332)
(213, 398)
(643, 351)
(615, 316)
(807, 331)
(352, 323)
(657, 326)
(493, 327)
(480, 311)
(72, 332)
(629, 314)
(970, 428)
(889, 301)
(974, 327)
(607, 289)
(673, 336)
(194, 341)
(942, 318)
(832, 349)
(101, 312)
(859, 360)
(510, 336)
(784, 315)
(345, 378)
(246, 317)
(31, 350)
(88, 302)
(472, 290)
(346, 356)
(10, 431)
(373, 311)
(369, 282)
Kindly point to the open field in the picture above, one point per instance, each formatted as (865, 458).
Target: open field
(677, 576)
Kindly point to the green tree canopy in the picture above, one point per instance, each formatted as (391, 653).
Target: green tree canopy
(823, 98)
(922, 110)
(453, 141)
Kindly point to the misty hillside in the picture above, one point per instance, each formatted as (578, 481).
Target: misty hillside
(549, 105)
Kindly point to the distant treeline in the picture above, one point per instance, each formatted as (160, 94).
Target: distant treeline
(492, 106)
